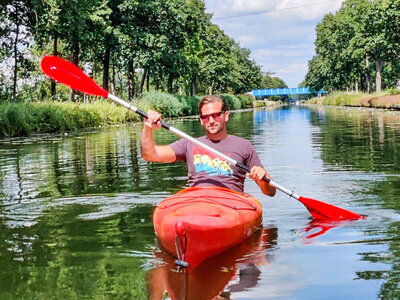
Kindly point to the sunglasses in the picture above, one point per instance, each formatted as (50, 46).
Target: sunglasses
(215, 116)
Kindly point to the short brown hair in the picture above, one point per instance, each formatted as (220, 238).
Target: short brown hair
(210, 99)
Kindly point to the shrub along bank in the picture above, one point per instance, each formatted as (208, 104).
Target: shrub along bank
(389, 99)
(21, 119)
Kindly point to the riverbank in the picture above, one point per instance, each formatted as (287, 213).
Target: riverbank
(24, 119)
(383, 100)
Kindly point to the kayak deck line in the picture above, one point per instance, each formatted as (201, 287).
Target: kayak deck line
(218, 200)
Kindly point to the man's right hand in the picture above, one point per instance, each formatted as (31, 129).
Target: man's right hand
(153, 120)
(150, 151)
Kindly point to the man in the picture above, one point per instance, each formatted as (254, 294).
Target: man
(204, 167)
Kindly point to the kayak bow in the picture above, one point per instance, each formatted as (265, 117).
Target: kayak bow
(200, 222)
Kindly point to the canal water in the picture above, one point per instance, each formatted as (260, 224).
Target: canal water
(76, 213)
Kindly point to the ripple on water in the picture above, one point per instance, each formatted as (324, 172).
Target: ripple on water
(26, 213)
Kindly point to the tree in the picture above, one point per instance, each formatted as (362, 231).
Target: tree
(197, 22)
(360, 34)
(15, 38)
(270, 82)
(380, 34)
(249, 74)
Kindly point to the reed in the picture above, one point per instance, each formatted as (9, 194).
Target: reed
(344, 99)
(21, 118)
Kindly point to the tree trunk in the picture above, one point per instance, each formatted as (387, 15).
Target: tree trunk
(193, 88)
(113, 75)
(357, 86)
(142, 81)
(75, 61)
(131, 79)
(55, 53)
(75, 52)
(170, 83)
(367, 77)
(15, 50)
(378, 80)
(106, 68)
(210, 90)
(148, 82)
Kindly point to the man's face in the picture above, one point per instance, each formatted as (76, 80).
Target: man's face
(213, 119)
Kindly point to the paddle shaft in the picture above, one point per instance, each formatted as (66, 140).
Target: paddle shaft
(197, 142)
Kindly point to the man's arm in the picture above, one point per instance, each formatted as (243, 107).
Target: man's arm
(257, 174)
(149, 150)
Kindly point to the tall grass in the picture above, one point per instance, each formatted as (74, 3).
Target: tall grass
(344, 99)
(20, 119)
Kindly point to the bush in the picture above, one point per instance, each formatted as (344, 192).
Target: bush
(393, 91)
(168, 105)
(24, 118)
(14, 120)
(232, 102)
(246, 100)
(190, 104)
(18, 119)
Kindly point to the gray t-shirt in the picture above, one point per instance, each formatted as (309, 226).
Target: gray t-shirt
(206, 168)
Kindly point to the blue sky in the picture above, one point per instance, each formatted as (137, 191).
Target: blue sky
(281, 38)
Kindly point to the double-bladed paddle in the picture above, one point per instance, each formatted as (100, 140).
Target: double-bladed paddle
(67, 73)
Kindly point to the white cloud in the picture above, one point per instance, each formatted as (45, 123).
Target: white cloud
(276, 9)
(282, 38)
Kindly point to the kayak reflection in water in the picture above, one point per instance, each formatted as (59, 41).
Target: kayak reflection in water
(205, 167)
(210, 279)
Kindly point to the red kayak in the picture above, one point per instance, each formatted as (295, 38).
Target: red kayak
(200, 222)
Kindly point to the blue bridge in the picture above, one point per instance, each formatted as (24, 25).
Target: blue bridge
(283, 92)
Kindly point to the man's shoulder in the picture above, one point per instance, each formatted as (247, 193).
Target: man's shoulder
(238, 139)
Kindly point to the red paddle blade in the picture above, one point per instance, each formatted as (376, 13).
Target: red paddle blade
(320, 210)
(67, 73)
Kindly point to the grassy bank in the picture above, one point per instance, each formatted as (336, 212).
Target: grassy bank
(388, 99)
(22, 119)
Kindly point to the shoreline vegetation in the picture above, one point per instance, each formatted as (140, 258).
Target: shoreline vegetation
(383, 100)
(19, 119)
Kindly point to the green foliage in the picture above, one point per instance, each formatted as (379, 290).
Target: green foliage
(14, 120)
(270, 82)
(357, 43)
(173, 43)
(232, 102)
(338, 98)
(246, 100)
(190, 104)
(393, 91)
(259, 103)
(18, 119)
(345, 99)
(168, 105)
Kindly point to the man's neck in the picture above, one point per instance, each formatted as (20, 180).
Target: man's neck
(217, 137)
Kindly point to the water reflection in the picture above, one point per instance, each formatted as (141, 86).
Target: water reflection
(210, 279)
(77, 249)
(317, 227)
(362, 139)
(76, 211)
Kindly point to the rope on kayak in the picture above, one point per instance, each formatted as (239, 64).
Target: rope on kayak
(206, 199)
(181, 251)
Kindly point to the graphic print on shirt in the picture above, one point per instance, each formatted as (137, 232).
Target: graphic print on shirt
(205, 161)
